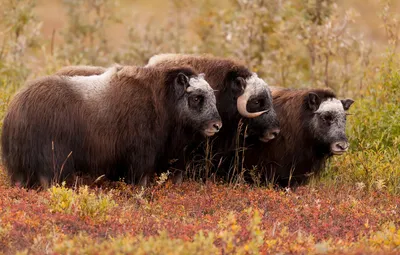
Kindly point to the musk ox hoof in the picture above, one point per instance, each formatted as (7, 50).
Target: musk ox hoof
(144, 181)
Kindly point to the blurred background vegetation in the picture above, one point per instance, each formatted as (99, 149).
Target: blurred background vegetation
(350, 46)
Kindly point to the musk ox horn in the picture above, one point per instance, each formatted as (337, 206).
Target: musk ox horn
(242, 106)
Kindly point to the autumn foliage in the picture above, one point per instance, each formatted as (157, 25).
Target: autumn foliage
(198, 218)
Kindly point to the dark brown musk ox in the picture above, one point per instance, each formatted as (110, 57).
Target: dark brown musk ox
(313, 123)
(241, 96)
(119, 123)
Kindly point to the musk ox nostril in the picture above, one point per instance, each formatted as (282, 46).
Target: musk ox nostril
(212, 128)
(339, 147)
(275, 132)
(342, 145)
(270, 135)
(217, 125)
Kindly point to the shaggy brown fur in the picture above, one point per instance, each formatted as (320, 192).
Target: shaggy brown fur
(296, 153)
(52, 132)
(222, 74)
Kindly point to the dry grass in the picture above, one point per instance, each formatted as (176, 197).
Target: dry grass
(53, 15)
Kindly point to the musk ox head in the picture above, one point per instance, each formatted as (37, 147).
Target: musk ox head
(254, 102)
(239, 91)
(196, 103)
(328, 122)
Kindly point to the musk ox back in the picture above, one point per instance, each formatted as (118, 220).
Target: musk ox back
(82, 70)
(313, 123)
(117, 123)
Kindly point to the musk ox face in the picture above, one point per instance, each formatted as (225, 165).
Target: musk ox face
(197, 104)
(255, 104)
(328, 122)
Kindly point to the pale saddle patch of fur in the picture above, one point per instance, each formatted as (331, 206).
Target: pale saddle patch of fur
(162, 57)
(92, 87)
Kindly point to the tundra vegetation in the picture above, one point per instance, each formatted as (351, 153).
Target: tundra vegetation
(348, 46)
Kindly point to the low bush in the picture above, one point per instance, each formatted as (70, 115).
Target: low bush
(84, 202)
(374, 131)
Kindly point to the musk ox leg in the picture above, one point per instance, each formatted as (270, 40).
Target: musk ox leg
(177, 169)
(142, 162)
(16, 153)
(144, 181)
(44, 182)
(17, 179)
(177, 177)
(36, 168)
(138, 175)
(40, 131)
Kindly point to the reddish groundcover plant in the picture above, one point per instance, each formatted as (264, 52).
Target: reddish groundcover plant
(306, 220)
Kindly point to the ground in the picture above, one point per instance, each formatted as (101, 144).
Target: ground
(195, 218)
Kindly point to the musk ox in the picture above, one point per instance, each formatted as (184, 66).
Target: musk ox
(119, 123)
(313, 123)
(241, 96)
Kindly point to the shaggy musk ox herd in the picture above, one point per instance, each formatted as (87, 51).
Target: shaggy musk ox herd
(131, 122)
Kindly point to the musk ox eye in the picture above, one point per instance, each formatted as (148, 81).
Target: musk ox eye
(196, 99)
(327, 118)
(259, 103)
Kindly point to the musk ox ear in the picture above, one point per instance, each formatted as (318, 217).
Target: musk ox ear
(181, 82)
(347, 103)
(313, 101)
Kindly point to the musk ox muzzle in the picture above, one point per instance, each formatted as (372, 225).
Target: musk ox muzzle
(265, 127)
(271, 126)
(340, 147)
(212, 127)
(270, 135)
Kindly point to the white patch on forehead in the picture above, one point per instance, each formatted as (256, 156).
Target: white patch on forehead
(199, 83)
(255, 85)
(93, 86)
(331, 105)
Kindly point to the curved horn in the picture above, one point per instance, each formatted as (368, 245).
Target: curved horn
(242, 107)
